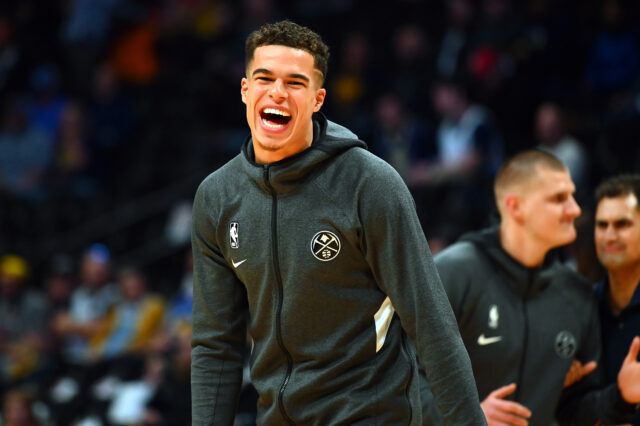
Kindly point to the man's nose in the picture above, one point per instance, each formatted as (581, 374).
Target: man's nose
(610, 232)
(278, 90)
(573, 208)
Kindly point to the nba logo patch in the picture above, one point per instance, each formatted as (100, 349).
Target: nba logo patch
(233, 235)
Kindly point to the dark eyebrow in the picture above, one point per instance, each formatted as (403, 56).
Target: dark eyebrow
(261, 71)
(268, 72)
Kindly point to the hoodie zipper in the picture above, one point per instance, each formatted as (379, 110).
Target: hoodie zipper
(525, 338)
(276, 266)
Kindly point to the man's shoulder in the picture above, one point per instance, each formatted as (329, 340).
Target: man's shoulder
(228, 172)
(459, 254)
(368, 166)
(571, 280)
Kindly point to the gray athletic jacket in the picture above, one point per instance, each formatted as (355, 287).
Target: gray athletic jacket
(323, 257)
(525, 326)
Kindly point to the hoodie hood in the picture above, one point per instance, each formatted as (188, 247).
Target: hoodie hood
(329, 140)
(527, 282)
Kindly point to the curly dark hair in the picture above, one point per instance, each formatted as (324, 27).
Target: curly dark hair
(288, 33)
(616, 186)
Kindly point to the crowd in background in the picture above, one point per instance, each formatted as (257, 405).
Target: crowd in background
(106, 104)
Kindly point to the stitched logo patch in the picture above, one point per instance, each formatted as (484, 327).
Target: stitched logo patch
(565, 344)
(494, 316)
(325, 246)
(233, 235)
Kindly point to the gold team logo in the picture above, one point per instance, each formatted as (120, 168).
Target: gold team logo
(325, 246)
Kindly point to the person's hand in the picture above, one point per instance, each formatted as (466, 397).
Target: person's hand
(577, 371)
(500, 412)
(629, 374)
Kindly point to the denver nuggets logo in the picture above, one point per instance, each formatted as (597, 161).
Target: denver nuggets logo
(325, 246)
(565, 344)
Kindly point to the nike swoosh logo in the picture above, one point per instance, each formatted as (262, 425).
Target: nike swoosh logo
(482, 340)
(236, 264)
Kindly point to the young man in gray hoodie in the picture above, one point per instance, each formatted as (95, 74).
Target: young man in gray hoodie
(314, 244)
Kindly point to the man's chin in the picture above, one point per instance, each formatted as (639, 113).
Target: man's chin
(610, 261)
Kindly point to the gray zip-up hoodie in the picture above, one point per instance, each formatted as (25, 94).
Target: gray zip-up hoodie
(323, 257)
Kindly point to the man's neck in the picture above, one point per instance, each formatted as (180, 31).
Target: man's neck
(622, 286)
(526, 251)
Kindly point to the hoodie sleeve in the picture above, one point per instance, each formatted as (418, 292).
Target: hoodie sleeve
(397, 252)
(220, 315)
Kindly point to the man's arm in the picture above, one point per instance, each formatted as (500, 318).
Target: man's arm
(219, 324)
(402, 265)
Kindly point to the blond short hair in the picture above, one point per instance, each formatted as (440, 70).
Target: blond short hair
(521, 169)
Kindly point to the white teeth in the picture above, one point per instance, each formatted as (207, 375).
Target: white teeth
(271, 125)
(276, 111)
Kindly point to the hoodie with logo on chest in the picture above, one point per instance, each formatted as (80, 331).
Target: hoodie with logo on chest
(525, 326)
(322, 257)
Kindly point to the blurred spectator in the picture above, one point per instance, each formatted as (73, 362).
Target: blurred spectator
(499, 23)
(59, 285)
(400, 137)
(26, 152)
(46, 105)
(85, 34)
(178, 317)
(468, 144)
(132, 322)
(90, 303)
(134, 57)
(24, 320)
(170, 404)
(614, 58)
(111, 120)
(130, 398)
(181, 308)
(18, 410)
(468, 150)
(70, 174)
(120, 383)
(411, 68)
(349, 83)
(178, 227)
(552, 136)
(455, 40)
(491, 57)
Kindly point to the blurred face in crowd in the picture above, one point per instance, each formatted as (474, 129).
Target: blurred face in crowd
(132, 285)
(617, 232)
(281, 91)
(548, 208)
(94, 272)
(549, 128)
(449, 102)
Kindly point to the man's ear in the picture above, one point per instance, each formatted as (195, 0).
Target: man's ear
(513, 206)
(244, 87)
(320, 95)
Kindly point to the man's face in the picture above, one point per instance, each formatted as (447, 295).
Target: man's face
(617, 231)
(549, 209)
(281, 90)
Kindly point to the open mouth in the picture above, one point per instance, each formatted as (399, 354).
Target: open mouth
(274, 118)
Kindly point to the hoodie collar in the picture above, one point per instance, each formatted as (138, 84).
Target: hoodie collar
(527, 282)
(329, 140)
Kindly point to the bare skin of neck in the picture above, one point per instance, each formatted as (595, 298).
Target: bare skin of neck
(622, 285)
(523, 249)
